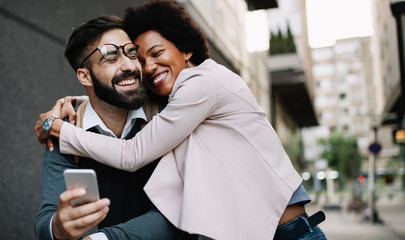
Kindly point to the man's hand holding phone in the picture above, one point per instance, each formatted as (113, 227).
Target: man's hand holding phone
(79, 207)
(72, 222)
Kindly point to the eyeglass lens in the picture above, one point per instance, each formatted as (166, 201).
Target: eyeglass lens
(111, 52)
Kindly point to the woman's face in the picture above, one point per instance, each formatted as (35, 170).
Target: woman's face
(161, 62)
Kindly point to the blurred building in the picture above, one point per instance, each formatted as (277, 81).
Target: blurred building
(343, 86)
(384, 107)
(292, 95)
(386, 73)
(386, 63)
(354, 85)
(358, 88)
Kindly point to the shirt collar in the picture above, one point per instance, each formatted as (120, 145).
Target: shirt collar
(91, 119)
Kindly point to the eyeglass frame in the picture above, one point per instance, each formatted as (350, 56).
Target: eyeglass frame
(119, 47)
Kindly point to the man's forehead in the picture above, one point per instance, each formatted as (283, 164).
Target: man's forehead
(114, 36)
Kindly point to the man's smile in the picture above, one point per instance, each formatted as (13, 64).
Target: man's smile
(125, 82)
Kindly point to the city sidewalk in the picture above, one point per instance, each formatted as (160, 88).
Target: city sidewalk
(344, 225)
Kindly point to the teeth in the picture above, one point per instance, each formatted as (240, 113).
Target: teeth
(160, 77)
(126, 82)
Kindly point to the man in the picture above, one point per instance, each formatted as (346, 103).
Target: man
(105, 61)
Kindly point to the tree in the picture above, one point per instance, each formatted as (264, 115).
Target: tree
(294, 147)
(275, 43)
(290, 41)
(280, 43)
(341, 153)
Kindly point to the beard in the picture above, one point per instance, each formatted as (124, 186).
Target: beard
(129, 100)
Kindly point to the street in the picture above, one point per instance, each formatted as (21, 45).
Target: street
(341, 224)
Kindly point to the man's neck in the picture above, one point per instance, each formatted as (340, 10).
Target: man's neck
(113, 117)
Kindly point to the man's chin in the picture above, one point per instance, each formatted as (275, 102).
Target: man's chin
(134, 99)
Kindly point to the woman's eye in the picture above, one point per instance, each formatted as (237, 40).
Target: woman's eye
(157, 53)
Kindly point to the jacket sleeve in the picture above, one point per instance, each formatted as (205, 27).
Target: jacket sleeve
(53, 185)
(151, 225)
(192, 103)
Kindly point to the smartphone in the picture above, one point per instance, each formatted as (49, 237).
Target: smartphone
(85, 178)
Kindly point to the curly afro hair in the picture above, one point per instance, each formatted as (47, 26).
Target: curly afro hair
(172, 22)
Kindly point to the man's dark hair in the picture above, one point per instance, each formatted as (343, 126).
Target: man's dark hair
(172, 22)
(87, 34)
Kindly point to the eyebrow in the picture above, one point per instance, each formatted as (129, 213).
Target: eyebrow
(154, 46)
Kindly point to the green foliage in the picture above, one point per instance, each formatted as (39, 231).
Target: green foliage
(290, 40)
(340, 152)
(282, 44)
(294, 147)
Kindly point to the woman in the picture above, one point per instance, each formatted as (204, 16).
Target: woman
(223, 172)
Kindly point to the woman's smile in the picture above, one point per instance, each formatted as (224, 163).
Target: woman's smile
(159, 79)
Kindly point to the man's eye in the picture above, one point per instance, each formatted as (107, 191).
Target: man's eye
(111, 55)
(111, 52)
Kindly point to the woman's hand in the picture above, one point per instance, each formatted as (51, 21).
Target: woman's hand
(68, 109)
(63, 108)
(55, 128)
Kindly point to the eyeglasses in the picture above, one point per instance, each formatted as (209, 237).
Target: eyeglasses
(110, 52)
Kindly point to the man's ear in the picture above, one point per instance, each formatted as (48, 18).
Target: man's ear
(83, 74)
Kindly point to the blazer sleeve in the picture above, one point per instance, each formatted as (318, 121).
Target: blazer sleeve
(53, 185)
(193, 102)
(151, 225)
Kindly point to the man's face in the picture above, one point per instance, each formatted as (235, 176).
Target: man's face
(117, 82)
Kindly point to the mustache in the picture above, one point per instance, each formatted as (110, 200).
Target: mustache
(127, 74)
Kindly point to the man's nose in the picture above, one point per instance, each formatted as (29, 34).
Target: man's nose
(127, 63)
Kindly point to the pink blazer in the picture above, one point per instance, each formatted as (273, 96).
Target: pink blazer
(224, 173)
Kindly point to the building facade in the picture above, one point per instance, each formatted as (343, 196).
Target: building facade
(357, 89)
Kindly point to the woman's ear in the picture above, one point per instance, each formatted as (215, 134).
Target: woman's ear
(83, 74)
(187, 60)
(188, 55)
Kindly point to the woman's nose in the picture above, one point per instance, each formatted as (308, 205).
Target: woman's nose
(150, 67)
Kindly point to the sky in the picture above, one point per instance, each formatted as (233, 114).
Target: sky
(257, 33)
(327, 20)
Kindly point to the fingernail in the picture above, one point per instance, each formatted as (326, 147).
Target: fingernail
(81, 191)
(106, 202)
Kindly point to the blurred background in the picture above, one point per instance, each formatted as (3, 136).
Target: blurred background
(329, 73)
